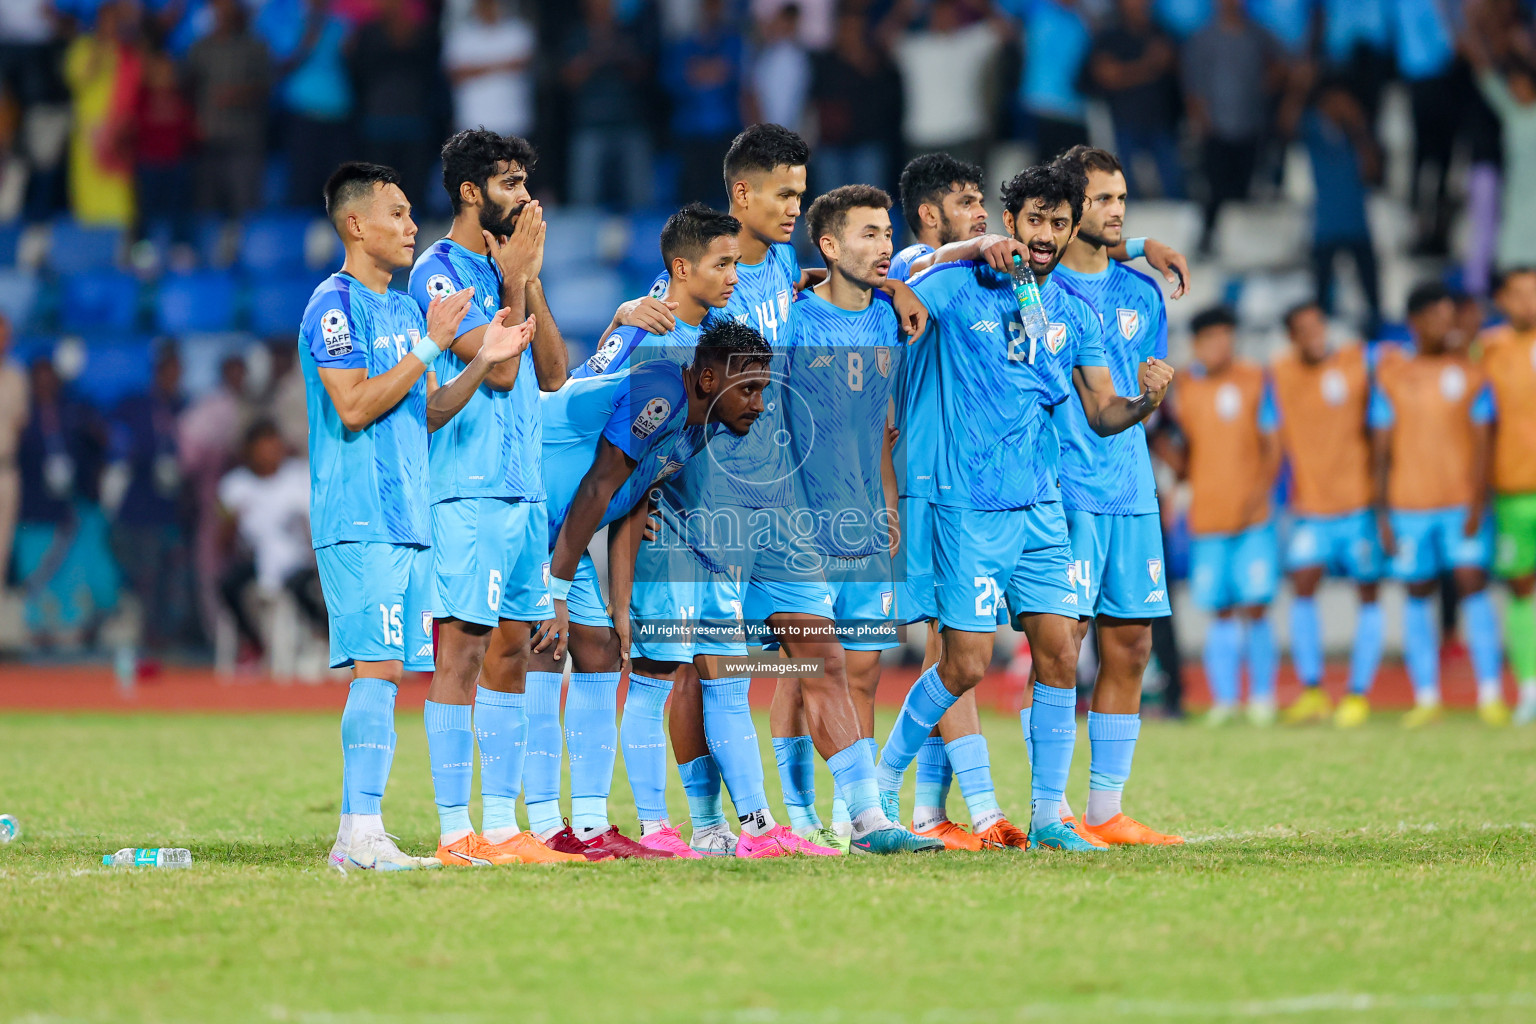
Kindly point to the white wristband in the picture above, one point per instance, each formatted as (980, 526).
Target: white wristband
(559, 589)
(426, 350)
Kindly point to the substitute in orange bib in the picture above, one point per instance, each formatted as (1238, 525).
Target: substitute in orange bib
(1430, 414)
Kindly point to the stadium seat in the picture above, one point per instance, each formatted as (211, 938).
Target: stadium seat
(277, 305)
(583, 304)
(642, 256)
(573, 238)
(202, 301)
(10, 238)
(274, 242)
(18, 296)
(106, 300)
(74, 247)
(114, 370)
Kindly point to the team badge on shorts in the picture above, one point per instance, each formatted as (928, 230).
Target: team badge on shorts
(426, 623)
(1055, 337)
(887, 599)
(652, 416)
(1130, 322)
(439, 286)
(1155, 569)
(336, 332)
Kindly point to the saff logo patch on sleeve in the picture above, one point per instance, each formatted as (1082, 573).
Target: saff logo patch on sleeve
(439, 286)
(335, 332)
(1130, 322)
(603, 356)
(652, 416)
(1055, 337)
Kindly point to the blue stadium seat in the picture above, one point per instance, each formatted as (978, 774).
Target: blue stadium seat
(73, 247)
(106, 300)
(115, 369)
(583, 304)
(642, 256)
(274, 242)
(277, 305)
(18, 296)
(572, 238)
(202, 301)
(10, 238)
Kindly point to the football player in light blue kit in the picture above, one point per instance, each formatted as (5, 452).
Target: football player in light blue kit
(999, 530)
(1110, 497)
(372, 400)
(488, 521)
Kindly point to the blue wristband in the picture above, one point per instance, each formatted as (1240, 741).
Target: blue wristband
(426, 350)
(1135, 248)
(559, 589)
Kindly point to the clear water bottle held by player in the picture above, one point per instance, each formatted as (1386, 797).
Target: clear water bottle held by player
(157, 857)
(1031, 309)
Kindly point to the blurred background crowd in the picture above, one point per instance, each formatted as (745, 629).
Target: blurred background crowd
(161, 164)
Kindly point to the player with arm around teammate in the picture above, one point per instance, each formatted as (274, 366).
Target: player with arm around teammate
(366, 352)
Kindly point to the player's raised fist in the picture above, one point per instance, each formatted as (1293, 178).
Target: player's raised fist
(1156, 375)
(505, 341)
(445, 314)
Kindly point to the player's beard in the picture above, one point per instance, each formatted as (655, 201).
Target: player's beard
(947, 230)
(498, 223)
(1100, 241)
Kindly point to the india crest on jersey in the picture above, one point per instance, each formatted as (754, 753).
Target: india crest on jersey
(1130, 322)
(1055, 337)
(883, 360)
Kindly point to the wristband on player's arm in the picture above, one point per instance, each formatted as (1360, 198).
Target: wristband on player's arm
(1135, 248)
(426, 350)
(559, 589)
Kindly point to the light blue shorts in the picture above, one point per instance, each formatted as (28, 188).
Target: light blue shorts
(983, 559)
(770, 568)
(915, 600)
(1117, 564)
(491, 558)
(1431, 542)
(664, 604)
(381, 600)
(1231, 570)
(1346, 545)
(863, 602)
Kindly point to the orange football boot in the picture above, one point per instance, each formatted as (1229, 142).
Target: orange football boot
(1123, 831)
(473, 851)
(1005, 835)
(529, 849)
(954, 837)
(1080, 827)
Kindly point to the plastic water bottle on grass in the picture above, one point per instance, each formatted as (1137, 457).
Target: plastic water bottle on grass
(158, 857)
(10, 828)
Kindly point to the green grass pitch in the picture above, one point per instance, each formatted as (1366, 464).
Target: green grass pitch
(1378, 875)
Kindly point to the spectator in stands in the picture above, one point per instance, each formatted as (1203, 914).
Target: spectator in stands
(488, 55)
(15, 410)
(1512, 97)
(1134, 64)
(143, 493)
(266, 502)
(208, 439)
(605, 70)
(857, 95)
(396, 75)
(1056, 44)
(1232, 70)
(702, 71)
(945, 67)
(1426, 52)
(102, 69)
(781, 71)
(316, 97)
(164, 134)
(284, 401)
(229, 73)
(30, 48)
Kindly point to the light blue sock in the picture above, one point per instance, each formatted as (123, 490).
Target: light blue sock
(1306, 641)
(796, 758)
(840, 813)
(501, 728)
(1054, 728)
(1112, 744)
(701, 781)
(854, 776)
(1366, 656)
(541, 765)
(973, 770)
(1263, 665)
(933, 774)
(451, 746)
(592, 740)
(1421, 649)
(1025, 718)
(1482, 628)
(367, 744)
(925, 704)
(1223, 659)
(644, 738)
(733, 741)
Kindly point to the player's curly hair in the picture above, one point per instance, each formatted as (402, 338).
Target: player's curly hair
(474, 154)
(761, 148)
(353, 180)
(1050, 185)
(828, 215)
(927, 178)
(689, 232)
(728, 344)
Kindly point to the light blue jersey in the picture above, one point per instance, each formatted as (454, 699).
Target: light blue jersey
(491, 449)
(997, 447)
(841, 369)
(917, 414)
(1111, 475)
(643, 412)
(901, 263)
(629, 347)
(369, 484)
(752, 471)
